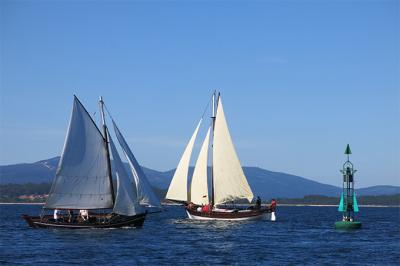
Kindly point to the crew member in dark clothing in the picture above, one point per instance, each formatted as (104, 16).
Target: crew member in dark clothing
(258, 203)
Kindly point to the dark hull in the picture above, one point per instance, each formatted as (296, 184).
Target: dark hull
(116, 222)
(231, 216)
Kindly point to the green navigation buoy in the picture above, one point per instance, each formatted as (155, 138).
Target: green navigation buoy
(348, 201)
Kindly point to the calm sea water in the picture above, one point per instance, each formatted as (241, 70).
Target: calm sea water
(301, 235)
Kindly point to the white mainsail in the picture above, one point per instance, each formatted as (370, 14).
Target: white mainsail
(178, 189)
(230, 183)
(82, 180)
(145, 193)
(126, 201)
(198, 186)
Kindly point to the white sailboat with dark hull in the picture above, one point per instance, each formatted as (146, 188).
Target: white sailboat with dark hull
(226, 180)
(84, 180)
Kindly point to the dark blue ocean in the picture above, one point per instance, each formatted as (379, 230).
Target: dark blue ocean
(301, 235)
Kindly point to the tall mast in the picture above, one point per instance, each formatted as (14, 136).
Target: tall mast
(101, 103)
(212, 145)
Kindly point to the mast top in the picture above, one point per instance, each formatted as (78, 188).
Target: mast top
(214, 96)
(103, 118)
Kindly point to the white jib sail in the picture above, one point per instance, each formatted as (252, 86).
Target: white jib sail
(126, 201)
(82, 180)
(230, 183)
(178, 189)
(145, 193)
(198, 186)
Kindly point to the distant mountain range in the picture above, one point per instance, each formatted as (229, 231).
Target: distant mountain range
(266, 184)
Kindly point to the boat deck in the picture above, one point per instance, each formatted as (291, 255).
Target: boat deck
(95, 221)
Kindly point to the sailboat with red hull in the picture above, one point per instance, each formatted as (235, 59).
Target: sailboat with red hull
(212, 195)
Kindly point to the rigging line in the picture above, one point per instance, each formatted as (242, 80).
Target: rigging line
(205, 109)
(208, 104)
(108, 112)
(112, 118)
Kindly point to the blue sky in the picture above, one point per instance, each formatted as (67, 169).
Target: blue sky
(299, 79)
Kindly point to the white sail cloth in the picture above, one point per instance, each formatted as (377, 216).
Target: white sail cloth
(230, 183)
(178, 189)
(198, 186)
(82, 180)
(145, 193)
(126, 201)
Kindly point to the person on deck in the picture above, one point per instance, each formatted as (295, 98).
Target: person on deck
(258, 203)
(57, 215)
(273, 205)
(70, 215)
(84, 214)
(206, 208)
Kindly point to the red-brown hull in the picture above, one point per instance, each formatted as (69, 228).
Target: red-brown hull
(238, 215)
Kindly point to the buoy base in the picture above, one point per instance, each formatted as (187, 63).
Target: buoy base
(347, 225)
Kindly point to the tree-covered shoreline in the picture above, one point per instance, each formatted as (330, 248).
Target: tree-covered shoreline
(36, 193)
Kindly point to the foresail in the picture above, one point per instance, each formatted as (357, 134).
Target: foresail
(198, 187)
(230, 183)
(178, 189)
(145, 193)
(81, 181)
(126, 201)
